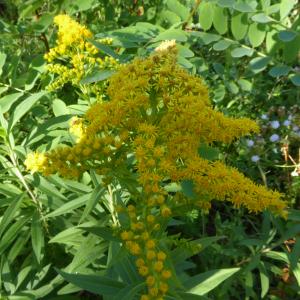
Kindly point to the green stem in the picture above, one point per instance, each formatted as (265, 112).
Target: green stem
(193, 11)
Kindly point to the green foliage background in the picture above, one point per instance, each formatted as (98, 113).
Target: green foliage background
(55, 238)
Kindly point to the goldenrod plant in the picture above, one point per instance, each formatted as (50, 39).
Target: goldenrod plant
(144, 149)
(160, 114)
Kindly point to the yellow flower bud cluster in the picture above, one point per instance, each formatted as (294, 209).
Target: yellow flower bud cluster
(160, 113)
(74, 56)
(151, 262)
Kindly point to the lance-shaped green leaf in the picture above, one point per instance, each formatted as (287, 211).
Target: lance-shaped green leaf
(24, 107)
(100, 285)
(37, 236)
(202, 283)
(10, 213)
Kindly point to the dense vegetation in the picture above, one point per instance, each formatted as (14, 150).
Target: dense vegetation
(150, 149)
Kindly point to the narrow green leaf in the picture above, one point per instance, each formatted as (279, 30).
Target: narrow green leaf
(97, 194)
(66, 236)
(220, 20)
(24, 107)
(10, 213)
(70, 206)
(7, 101)
(104, 232)
(12, 233)
(100, 285)
(264, 279)
(37, 236)
(38, 277)
(2, 61)
(45, 186)
(281, 256)
(18, 246)
(208, 280)
(129, 292)
(185, 251)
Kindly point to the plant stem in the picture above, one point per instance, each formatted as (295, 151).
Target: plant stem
(193, 11)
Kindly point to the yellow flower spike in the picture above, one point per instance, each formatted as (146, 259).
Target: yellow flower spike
(166, 274)
(165, 211)
(150, 219)
(163, 287)
(156, 227)
(161, 255)
(158, 266)
(145, 297)
(150, 280)
(145, 236)
(140, 262)
(160, 199)
(153, 291)
(126, 235)
(134, 248)
(151, 255)
(150, 244)
(143, 270)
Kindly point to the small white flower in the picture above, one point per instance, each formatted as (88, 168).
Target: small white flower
(295, 173)
(255, 158)
(274, 137)
(290, 117)
(264, 117)
(275, 124)
(250, 143)
(295, 128)
(287, 123)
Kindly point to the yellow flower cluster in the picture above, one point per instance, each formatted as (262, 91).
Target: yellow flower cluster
(161, 114)
(141, 241)
(74, 56)
(77, 128)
